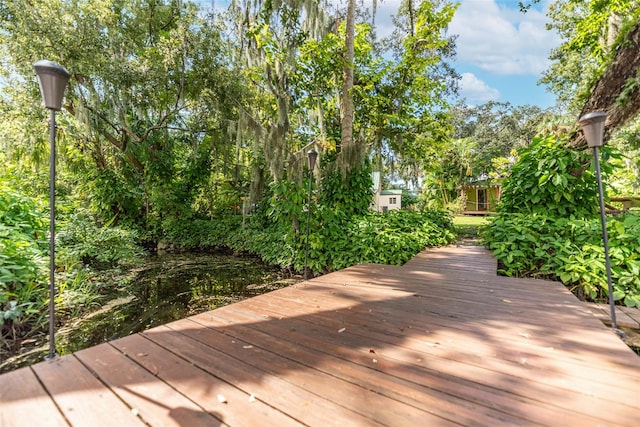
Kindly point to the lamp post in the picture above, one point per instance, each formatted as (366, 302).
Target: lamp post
(592, 125)
(53, 79)
(312, 156)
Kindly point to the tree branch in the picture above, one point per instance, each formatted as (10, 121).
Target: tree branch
(617, 92)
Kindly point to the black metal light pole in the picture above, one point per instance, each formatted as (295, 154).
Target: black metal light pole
(53, 80)
(592, 125)
(312, 155)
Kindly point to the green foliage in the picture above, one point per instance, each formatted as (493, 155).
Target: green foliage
(548, 225)
(148, 78)
(77, 292)
(22, 239)
(23, 254)
(385, 238)
(350, 194)
(336, 240)
(23, 244)
(469, 227)
(626, 179)
(570, 250)
(590, 31)
(409, 200)
(100, 246)
(553, 179)
(491, 131)
(287, 199)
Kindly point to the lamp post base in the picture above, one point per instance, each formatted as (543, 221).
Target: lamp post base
(620, 334)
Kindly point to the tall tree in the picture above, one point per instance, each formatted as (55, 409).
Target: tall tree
(617, 91)
(596, 67)
(137, 84)
(271, 34)
(496, 129)
(350, 154)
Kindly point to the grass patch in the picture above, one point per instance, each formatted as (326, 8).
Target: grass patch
(468, 227)
(470, 220)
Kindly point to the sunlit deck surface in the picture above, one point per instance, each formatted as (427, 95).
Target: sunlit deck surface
(439, 341)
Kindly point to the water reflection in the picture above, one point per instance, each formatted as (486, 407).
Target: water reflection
(171, 287)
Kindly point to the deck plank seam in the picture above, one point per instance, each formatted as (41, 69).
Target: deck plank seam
(480, 384)
(48, 392)
(200, 368)
(295, 362)
(388, 395)
(107, 386)
(264, 372)
(569, 359)
(481, 404)
(155, 375)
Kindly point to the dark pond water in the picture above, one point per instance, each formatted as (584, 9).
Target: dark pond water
(165, 288)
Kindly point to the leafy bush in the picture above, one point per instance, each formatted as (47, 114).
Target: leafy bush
(100, 246)
(553, 179)
(548, 225)
(386, 238)
(336, 240)
(350, 194)
(23, 244)
(570, 250)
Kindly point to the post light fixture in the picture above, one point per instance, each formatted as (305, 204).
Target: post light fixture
(53, 79)
(312, 155)
(592, 125)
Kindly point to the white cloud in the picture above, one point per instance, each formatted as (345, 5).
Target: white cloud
(384, 12)
(476, 91)
(502, 40)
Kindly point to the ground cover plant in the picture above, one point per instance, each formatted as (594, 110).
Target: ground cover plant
(570, 250)
(336, 240)
(547, 226)
(85, 250)
(23, 233)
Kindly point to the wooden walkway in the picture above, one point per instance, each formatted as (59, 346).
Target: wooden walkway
(439, 341)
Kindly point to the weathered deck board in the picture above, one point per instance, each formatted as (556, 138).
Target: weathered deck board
(21, 393)
(625, 317)
(83, 399)
(439, 341)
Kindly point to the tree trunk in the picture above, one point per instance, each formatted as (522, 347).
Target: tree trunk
(346, 122)
(617, 92)
(412, 25)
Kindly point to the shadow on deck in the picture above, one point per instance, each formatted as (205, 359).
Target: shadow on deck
(439, 341)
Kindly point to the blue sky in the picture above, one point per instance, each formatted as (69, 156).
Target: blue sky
(502, 52)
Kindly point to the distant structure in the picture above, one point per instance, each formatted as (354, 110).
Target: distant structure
(384, 200)
(480, 197)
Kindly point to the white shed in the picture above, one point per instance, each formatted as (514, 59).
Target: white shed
(384, 200)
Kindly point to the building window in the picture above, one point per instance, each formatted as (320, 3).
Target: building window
(392, 200)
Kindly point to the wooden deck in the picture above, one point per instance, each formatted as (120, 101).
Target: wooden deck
(439, 341)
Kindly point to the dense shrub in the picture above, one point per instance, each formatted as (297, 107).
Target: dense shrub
(351, 193)
(23, 243)
(24, 252)
(570, 250)
(548, 225)
(386, 238)
(81, 239)
(553, 179)
(336, 240)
